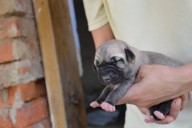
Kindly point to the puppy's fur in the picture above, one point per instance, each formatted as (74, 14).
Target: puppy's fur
(117, 64)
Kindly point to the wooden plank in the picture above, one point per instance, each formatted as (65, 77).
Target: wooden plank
(61, 70)
(50, 63)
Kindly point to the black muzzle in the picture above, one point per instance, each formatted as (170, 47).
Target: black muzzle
(110, 74)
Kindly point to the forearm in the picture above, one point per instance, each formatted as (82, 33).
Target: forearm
(102, 34)
(185, 77)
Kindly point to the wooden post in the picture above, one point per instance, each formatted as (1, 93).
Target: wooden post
(64, 89)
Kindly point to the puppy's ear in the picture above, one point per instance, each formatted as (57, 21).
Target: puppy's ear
(94, 67)
(130, 56)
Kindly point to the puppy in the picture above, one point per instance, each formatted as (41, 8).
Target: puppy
(117, 64)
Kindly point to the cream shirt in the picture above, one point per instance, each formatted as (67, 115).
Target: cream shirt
(163, 26)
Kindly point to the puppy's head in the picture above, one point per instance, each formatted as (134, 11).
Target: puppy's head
(113, 62)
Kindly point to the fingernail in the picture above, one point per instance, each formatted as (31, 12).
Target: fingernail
(178, 103)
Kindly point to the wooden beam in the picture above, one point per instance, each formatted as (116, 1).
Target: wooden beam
(64, 88)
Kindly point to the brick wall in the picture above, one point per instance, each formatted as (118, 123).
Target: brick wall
(23, 102)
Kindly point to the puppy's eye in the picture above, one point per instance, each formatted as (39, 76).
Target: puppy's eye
(116, 60)
(97, 63)
(113, 60)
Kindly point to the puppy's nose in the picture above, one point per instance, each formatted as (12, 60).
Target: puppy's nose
(107, 78)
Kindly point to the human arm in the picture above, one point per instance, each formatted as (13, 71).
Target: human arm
(98, 22)
(158, 83)
(102, 34)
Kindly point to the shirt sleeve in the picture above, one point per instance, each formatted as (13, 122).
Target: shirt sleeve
(95, 13)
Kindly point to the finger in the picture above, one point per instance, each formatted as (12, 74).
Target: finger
(167, 120)
(174, 111)
(139, 77)
(175, 108)
(185, 99)
(149, 118)
(145, 111)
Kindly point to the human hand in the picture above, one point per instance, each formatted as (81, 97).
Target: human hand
(153, 85)
(177, 105)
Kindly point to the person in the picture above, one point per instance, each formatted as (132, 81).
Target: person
(160, 26)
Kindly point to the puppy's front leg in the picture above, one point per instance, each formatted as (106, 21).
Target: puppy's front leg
(116, 95)
(102, 96)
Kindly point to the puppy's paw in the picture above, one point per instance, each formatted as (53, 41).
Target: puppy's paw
(107, 107)
(149, 119)
(95, 104)
(159, 115)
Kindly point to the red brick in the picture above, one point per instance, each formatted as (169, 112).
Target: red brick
(28, 91)
(6, 50)
(19, 49)
(15, 7)
(9, 28)
(5, 121)
(14, 27)
(30, 113)
(43, 124)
